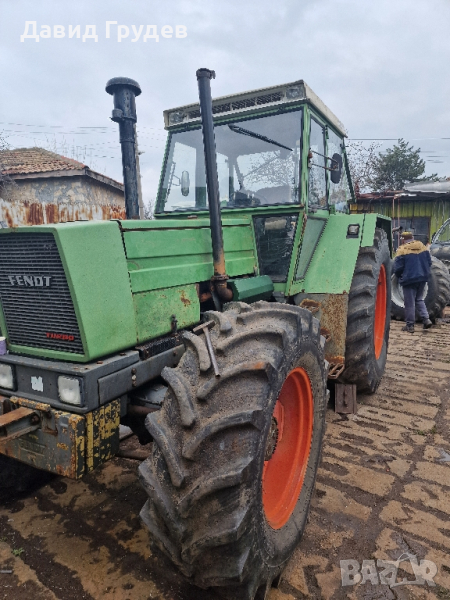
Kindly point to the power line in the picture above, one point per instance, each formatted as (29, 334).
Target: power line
(76, 127)
(394, 139)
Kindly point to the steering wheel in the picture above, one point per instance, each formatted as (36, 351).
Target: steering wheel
(243, 199)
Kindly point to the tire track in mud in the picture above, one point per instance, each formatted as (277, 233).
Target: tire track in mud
(386, 493)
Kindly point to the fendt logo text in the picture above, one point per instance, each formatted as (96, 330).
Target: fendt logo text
(29, 280)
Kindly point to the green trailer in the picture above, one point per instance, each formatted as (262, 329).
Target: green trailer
(211, 330)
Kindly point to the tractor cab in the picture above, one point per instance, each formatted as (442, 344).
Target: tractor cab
(276, 147)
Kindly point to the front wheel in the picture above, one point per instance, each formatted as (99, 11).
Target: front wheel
(368, 317)
(235, 457)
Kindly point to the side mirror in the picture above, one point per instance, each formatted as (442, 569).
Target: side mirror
(336, 168)
(185, 183)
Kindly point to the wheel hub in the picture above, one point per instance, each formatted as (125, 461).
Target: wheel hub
(380, 313)
(287, 448)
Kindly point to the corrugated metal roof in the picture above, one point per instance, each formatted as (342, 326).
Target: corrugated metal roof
(427, 190)
(434, 187)
(35, 160)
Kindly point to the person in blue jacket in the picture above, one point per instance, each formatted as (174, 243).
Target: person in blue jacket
(412, 266)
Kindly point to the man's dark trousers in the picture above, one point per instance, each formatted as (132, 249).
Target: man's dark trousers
(414, 299)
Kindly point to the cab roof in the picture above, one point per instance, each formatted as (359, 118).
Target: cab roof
(253, 102)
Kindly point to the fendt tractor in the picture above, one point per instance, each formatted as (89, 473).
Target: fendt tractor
(211, 330)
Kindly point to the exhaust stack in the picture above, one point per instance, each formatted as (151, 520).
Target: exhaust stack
(124, 92)
(220, 277)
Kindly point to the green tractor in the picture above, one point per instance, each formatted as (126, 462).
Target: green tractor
(211, 330)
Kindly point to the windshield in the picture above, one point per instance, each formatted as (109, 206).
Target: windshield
(258, 163)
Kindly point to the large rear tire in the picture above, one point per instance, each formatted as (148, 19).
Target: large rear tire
(235, 458)
(437, 292)
(368, 318)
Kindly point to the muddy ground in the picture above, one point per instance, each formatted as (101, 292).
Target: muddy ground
(383, 490)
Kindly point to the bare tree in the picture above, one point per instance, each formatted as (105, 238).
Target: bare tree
(149, 209)
(81, 154)
(362, 162)
(5, 180)
(271, 169)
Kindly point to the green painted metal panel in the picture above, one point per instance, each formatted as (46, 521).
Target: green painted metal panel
(313, 230)
(171, 257)
(168, 243)
(250, 289)
(94, 262)
(181, 221)
(162, 277)
(154, 310)
(96, 268)
(333, 263)
(370, 223)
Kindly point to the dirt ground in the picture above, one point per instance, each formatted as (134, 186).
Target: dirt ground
(383, 490)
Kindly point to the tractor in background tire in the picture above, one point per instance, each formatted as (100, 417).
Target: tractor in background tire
(440, 244)
(437, 292)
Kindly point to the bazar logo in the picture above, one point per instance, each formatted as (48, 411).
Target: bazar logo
(352, 573)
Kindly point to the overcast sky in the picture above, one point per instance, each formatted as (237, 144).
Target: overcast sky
(382, 68)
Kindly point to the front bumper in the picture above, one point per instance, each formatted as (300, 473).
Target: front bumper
(100, 382)
(60, 442)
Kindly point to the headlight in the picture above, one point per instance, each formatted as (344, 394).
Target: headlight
(69, 390)
(6, 377)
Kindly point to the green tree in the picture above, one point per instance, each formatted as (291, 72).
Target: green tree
(397, 166)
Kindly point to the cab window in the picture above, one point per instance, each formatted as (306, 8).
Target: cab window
(317, 187)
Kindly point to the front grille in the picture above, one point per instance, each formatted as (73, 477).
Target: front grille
(34, 293)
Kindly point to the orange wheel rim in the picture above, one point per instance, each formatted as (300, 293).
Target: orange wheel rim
(288, 448)
(380, 312)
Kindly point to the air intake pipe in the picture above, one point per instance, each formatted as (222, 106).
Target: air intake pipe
(124, 92)
(220, 277)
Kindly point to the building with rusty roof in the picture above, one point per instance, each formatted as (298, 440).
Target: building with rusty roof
(45, 187)
(420, 207)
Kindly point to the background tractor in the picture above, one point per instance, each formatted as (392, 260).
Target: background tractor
(210, 330)
(437, 290)
(440, 244)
